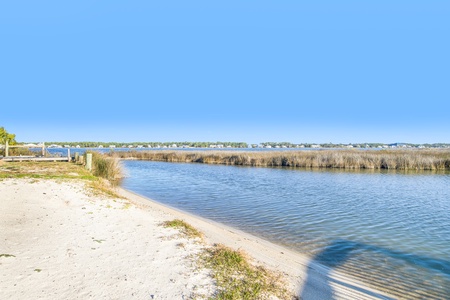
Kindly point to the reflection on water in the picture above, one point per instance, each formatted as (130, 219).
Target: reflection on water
(389, 229)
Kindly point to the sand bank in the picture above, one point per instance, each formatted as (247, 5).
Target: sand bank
(58, 241)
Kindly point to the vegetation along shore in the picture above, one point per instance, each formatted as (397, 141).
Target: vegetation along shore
(410, 159)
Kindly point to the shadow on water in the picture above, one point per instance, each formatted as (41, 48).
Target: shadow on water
(319, 282)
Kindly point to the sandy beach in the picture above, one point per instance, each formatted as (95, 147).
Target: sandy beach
(59, 240)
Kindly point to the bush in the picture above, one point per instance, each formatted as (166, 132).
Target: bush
(106, 167)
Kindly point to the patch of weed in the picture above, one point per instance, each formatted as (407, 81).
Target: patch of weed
(7, 255)
(184, 227)
(236, 278)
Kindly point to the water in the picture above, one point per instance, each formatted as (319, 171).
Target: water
(388, 229)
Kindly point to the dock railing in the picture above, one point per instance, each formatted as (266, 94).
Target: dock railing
(33, 158)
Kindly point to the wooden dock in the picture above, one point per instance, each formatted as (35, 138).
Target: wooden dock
(20, 158)
(33, 158)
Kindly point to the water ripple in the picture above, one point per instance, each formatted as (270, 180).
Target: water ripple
(387, 229)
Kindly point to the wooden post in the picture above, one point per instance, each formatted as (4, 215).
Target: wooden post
(77, 157)
(6, 149)
(89, 161)
(68, 154)
(43, 148)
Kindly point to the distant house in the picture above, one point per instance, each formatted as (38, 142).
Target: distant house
(399, 145)
(54, 146)
(101, 146)
(112, 146)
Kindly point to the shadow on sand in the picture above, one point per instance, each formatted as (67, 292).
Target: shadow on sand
(318, 281)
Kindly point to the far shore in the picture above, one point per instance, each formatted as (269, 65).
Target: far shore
(60, 241)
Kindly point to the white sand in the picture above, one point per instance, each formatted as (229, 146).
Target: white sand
(71, 245)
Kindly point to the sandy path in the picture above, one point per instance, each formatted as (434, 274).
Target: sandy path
(68, 245)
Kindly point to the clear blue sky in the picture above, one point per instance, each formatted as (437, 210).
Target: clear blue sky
(252, 71)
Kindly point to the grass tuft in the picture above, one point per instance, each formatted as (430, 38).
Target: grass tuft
(184, 227)
(236, 278)
(7, 255)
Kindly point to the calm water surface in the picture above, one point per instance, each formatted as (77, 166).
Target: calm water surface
(389, 229)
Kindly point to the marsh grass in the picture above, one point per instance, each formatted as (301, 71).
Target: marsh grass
(236, 278)
(106, 167)
(185, 228)
(342, 159)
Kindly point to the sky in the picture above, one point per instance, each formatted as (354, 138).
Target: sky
(251, 71)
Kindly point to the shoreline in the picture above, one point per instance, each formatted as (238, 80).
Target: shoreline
(305, 277)
(61, 241)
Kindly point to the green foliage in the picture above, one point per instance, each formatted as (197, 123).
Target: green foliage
(5, 136)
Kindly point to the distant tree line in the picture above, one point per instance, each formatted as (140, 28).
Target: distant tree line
(185, 144)
(152, 144)
(350, 145)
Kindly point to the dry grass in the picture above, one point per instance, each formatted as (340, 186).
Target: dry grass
(236, 278)
(59, 171)
(44, 170)
(343, 159)
(185, 228)
(106, 167)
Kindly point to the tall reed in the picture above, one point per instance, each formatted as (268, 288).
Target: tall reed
(106, 167)
(344, 159)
